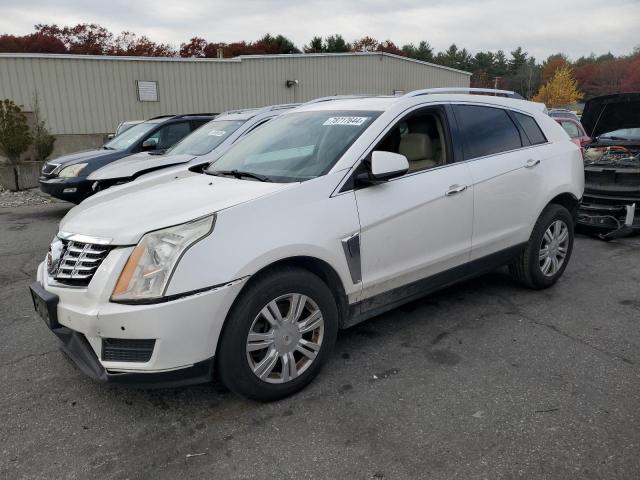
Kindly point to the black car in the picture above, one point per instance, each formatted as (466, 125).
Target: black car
(66, 177)
(611, 202)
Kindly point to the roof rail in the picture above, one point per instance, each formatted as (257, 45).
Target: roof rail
(161, 116)
(490, 91)
(284, 106)
(334, 97)
(196, 115)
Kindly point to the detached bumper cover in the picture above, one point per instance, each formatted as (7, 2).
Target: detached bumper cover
(77, 348)
(617, 217)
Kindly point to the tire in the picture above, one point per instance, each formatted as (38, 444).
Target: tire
(281, 357)
(531, 268)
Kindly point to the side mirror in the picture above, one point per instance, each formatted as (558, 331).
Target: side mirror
(149, 144)
(110, 136)
(384, 166)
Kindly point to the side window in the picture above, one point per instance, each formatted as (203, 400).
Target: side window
(420, 137)
(571, 129)
(171, 134)
(486, 130)
(531, 128)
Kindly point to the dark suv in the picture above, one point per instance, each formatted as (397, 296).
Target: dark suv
(66, 177)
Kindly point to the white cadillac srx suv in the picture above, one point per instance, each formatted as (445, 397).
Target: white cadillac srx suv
(330, 214)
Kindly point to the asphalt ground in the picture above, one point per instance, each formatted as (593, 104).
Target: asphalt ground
(484, 380)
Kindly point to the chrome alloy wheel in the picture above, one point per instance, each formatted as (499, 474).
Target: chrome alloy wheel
(285, 338)
(553, 248)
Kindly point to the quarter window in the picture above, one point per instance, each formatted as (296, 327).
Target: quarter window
(486, 130)
(531, 128)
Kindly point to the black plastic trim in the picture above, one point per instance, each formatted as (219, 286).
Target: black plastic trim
(386, 301)
(77, 348)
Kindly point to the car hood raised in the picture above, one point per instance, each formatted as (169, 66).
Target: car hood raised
(125, 213)
(135, 165)
(611, 112)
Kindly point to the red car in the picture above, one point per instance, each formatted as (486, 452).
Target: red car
(575, 130)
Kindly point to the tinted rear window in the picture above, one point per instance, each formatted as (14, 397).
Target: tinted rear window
(531, 128)
(486, 130)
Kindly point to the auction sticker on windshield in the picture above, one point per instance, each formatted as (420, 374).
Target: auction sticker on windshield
(217, 133)
(355, 121)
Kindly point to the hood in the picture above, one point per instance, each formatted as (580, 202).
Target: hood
(611, 112)
(135, 165)
(125, 213)
(81, 157)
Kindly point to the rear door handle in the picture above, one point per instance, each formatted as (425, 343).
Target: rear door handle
(454, 189)
(531, 163)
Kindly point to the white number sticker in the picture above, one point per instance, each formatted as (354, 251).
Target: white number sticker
(217, 133)
(354, 121)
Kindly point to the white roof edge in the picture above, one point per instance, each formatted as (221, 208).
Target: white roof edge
(69, 56)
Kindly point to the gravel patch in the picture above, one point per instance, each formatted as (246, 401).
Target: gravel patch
(25, 197)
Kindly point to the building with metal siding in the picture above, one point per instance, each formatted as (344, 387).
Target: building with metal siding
(86, 97)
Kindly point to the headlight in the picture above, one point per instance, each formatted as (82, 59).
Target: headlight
(148, 270)
(72, 170)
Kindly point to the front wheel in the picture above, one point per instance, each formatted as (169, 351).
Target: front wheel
(548, 251)
(277, 335)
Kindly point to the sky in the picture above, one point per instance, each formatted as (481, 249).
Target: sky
(542, 27)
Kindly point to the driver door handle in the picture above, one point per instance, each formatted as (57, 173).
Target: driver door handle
(455, 189)
(531, 163)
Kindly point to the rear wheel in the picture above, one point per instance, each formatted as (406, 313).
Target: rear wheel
(548, 251)
(278, 335)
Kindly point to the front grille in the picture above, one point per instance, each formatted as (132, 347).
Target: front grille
(125, 350)
(79, 261)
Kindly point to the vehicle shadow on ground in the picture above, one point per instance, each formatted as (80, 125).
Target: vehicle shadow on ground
(429, 317)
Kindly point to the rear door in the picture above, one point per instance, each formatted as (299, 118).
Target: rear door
(506, 176)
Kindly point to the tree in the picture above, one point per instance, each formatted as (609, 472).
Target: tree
(389, 47)
(551, 64)
(15, 137)
(455, 58)
(422, 52)
(316, 45)
(336, 44)
(43, 141)
(84, 38)
(561, 90)
(193, 48)
(518, 59)
(365, 44)
(128, 43)
(274, 45)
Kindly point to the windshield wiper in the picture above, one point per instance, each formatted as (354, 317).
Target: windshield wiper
(238, 174)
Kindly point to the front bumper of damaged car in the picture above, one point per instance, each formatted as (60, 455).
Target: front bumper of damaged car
(182, 332)
(611, 217)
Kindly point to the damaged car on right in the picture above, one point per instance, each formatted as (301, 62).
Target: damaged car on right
(611, 203)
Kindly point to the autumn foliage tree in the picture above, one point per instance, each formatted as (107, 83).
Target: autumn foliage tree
(561, 90)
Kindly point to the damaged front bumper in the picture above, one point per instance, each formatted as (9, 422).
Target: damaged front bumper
(613, 217)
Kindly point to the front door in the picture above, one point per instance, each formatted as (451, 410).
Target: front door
(418, 225)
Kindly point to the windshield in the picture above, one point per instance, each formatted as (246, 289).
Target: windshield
(623, 134)
(296, 146)
(125, 126)
(131, 136)
(206, 138)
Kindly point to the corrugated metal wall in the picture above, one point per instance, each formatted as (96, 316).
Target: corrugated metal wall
(88, 95)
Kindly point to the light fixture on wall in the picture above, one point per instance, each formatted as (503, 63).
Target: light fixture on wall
(291, 83)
